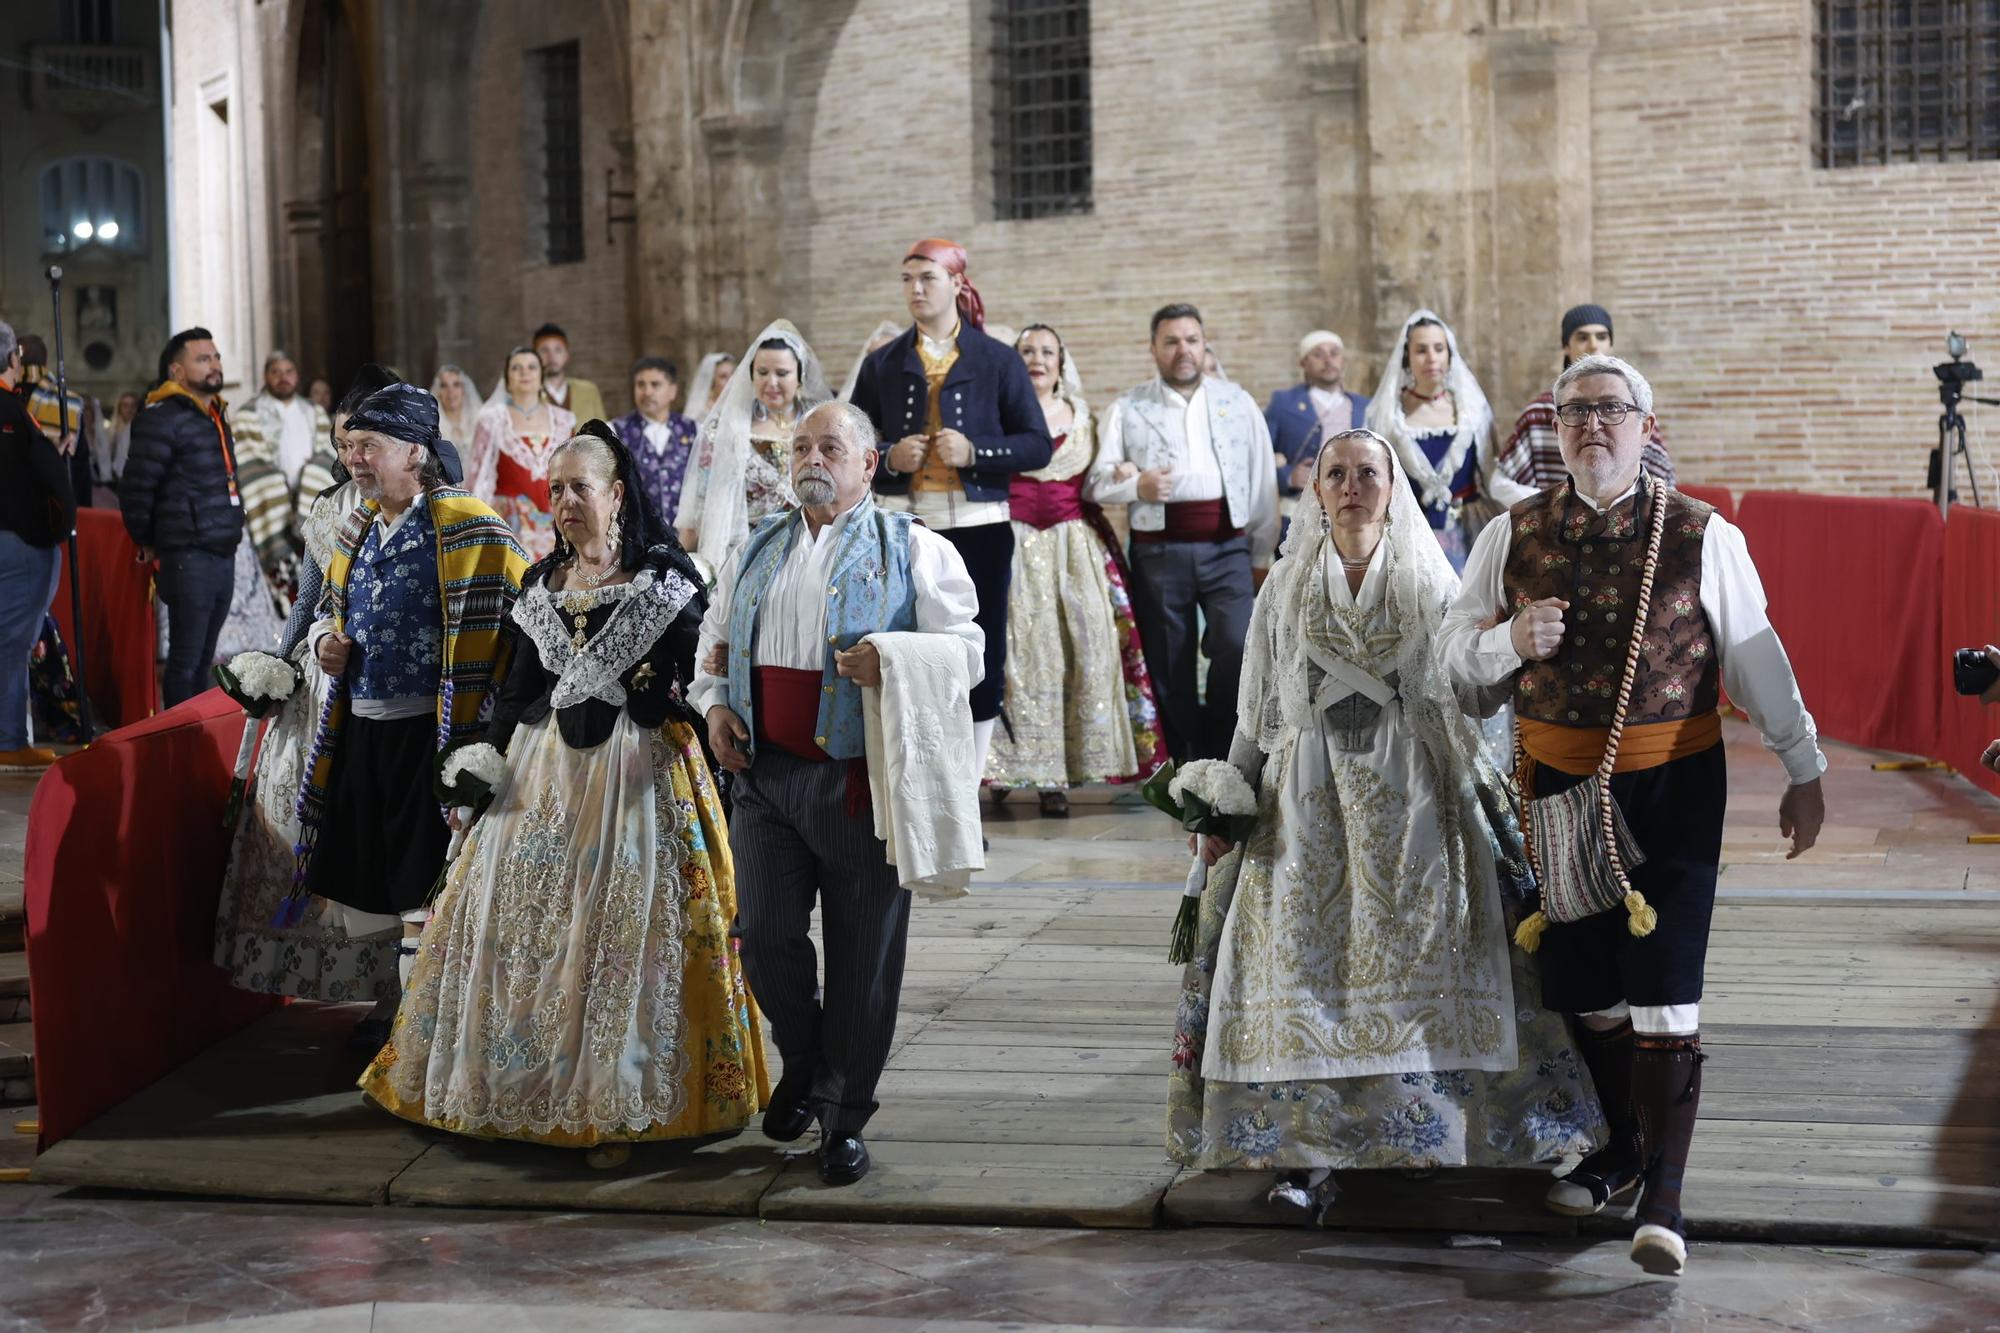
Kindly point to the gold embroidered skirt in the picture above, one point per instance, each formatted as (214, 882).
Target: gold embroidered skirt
(1079, 701)
(577, 984)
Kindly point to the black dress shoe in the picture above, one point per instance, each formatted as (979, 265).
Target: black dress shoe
(843, 1159)
(789, 1114)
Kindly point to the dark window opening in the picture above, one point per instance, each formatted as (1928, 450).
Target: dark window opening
(1041, 108)
(1907, 81)
(555, 70)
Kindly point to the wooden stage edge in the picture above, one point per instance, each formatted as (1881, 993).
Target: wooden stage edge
(1852, 1096)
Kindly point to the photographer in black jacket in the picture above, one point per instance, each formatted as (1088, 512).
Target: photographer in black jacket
(182, 506)
(37, 510)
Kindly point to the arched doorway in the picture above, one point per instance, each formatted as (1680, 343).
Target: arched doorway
(330, 217)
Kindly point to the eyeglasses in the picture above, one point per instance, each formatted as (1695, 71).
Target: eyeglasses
(1577, 415)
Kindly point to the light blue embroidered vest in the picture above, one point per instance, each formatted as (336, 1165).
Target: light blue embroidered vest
(395, 612)
(869, 592)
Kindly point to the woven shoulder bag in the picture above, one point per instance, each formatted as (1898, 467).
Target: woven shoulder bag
(1578, 843)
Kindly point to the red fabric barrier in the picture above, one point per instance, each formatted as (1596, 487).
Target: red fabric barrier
(1971, 616)
(124, 865)
(1719, 496)
(120, 640)
(1855, 588)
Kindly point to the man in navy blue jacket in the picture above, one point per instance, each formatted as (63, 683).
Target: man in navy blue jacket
(1303, 415)
(181, 504)
(958, 418)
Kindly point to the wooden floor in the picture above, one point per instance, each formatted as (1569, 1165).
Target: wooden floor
(1852, 1016)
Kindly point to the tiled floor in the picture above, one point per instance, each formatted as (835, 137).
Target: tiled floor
(88, 1263)
(1896, 842)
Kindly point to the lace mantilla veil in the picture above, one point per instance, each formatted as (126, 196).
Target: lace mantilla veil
(725, 439)
(1475, 417)
(1284, 689)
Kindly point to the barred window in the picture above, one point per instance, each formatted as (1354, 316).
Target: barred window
(1041, 108)
(555, 80)
(1907, 81)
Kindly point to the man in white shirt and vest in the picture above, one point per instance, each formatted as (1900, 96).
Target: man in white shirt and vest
(1547, 608)
(782, 666)
(1191, 456)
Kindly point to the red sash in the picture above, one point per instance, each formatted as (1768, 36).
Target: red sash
(785, 703)
(1195, 521)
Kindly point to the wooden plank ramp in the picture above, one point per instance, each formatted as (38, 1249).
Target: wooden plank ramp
(1852, 1094)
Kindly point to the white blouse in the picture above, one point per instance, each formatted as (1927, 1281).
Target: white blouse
(1755, 670)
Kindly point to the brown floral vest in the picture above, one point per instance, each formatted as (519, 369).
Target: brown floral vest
(1563, 548)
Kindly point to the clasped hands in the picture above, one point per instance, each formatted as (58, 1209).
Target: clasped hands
(908, 453)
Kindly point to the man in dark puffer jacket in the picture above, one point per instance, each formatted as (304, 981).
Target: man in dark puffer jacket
(181, 505)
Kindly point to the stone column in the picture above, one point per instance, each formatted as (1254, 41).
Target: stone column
(1336, 72)
(1541, 214)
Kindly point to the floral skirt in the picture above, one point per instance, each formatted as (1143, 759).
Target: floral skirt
(1079, 701)
(317, 958)
(1538, 1111)
(577, 984)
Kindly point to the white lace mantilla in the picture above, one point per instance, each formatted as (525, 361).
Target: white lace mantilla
(646, 607)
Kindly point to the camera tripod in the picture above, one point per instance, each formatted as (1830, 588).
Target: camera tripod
(1953, 376)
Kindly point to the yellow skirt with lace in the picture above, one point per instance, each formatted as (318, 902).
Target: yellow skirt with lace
(577, 984)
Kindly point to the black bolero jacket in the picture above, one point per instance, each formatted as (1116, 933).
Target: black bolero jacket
(987, 397)
(655, 684)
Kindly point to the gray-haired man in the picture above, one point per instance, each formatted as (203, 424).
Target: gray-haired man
(783, 664)
(1558, 581)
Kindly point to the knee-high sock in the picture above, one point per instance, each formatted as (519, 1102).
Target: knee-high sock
(1607, 1054)
(1666, 1094)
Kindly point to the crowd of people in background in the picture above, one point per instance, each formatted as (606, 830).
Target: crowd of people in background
(663, 625)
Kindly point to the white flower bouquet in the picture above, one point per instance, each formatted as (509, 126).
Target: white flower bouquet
(258, 683)
(467, 776)
(1210, 799)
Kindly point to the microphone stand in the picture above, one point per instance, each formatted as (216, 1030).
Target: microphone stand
(75, 569)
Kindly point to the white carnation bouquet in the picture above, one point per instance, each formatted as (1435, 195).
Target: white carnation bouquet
(467, 776)
(258, 683)
(1210, 799)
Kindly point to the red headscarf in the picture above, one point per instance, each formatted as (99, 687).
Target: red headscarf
(950, 256)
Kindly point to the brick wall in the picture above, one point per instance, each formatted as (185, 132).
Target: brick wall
(517, 288)
(1203, 187)
(1788, 316)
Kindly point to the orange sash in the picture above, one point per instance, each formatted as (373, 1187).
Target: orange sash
(1580, 750)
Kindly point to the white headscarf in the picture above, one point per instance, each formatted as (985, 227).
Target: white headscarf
(882, 334)
(704, 376)
(458, 428)
(1475, 417)
(725, 441)
(1284, 688)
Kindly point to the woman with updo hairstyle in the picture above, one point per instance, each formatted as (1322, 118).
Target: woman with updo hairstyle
(576, 984)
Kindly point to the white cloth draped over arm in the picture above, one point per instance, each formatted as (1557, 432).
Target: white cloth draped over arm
(923, 763)
(1755, 670)
(946, 603)
(1100, 487)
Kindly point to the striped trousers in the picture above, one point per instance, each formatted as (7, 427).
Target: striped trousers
(793, 842)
